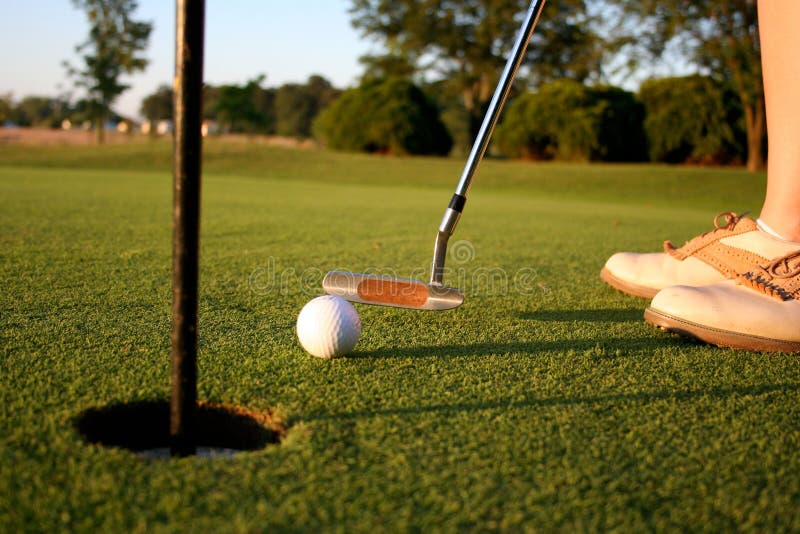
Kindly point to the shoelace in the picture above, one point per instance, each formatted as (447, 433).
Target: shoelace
(731, 219)
(768, 278)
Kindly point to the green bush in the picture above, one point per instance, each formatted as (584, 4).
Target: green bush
(389, 116)
(566, 120)
(691, 118)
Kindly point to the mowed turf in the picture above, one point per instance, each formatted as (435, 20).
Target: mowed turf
(545, 403)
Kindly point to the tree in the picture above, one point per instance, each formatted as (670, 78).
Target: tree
(467, 42)
(720, 37)
(210, 99)
(386, 116)
(245, 109)
(322, 90)
(391, 65)
(40, 111)
(6, 108)
(81, 111)
(297, 105)
(35, 111)
(113, 49)
(294, 109)
(567, 120)
(158, 105)
(691, 118)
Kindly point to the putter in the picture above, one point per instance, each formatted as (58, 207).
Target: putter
(415, 294)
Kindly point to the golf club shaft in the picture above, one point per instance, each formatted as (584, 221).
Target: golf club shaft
(456, 207)
(499, 98)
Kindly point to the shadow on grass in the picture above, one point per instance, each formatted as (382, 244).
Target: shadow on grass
(643, 397)
(597, 347)
(609, 315)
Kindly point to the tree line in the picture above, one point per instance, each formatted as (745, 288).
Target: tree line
(463, 44)
(252, 108)
(46, 111)
(249, 108)
(440, 61)
(683, 119)
(679, 119)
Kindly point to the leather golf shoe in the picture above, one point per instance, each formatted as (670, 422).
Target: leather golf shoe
(758, 310)
(734, 246)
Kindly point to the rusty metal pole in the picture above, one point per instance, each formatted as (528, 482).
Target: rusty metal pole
(188, 89)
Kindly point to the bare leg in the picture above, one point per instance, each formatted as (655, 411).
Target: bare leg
(780, 42)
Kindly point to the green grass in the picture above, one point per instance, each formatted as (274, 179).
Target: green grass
(545, 403)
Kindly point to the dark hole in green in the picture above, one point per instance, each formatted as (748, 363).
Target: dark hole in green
(144, 425)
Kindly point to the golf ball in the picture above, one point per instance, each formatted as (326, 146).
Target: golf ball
(328, 327)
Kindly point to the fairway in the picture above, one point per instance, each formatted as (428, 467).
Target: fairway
(545, 403)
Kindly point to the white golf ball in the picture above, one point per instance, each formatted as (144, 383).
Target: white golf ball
(328, 327)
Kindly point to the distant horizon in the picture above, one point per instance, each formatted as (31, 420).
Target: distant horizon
(285, 41)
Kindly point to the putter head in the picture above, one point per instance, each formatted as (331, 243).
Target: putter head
(390, 291)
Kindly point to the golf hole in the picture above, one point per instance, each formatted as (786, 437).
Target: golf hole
(143, 427)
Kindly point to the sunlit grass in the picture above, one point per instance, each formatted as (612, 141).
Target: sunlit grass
(544, 403)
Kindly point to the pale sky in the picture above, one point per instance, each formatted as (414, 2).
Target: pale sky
(287, 40)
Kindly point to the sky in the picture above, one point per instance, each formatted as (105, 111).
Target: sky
(286, 40)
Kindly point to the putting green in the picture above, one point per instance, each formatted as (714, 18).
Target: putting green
(544, 403)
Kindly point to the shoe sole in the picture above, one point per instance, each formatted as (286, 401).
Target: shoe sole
(718, 337)
(628, 288)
